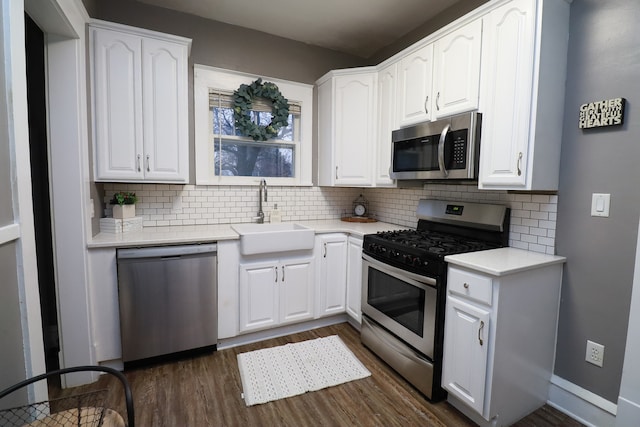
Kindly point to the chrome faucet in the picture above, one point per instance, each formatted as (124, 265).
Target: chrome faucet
(263, 187)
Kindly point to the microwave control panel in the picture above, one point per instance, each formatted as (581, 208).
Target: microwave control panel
(458, 149)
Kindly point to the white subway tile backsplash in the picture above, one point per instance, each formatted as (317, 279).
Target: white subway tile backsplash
(533, 216)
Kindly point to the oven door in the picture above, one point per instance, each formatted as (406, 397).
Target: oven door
(402, 302)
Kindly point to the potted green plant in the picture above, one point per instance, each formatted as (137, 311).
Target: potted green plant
(124, 205)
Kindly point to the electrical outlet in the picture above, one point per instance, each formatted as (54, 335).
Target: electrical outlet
(595, 353)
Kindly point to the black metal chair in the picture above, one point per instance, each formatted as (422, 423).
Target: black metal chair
(84, 409)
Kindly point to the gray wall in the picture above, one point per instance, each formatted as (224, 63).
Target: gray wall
(447, 16)
(229, 46)
(604, 63)
(12, 363)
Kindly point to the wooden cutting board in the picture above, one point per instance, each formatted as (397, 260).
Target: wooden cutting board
(358, 219)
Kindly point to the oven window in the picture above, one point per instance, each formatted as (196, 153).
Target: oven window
(400, 301)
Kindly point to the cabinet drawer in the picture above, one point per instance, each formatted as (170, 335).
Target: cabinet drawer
(469, 285)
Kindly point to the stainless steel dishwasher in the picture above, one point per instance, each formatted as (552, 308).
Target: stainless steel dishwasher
(168, 300)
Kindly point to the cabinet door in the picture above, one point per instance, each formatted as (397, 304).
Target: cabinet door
(508, 55)
(415, 81)
(456, 77)
(259, 298)
(117, 105)
(354, 278)
(387, 122)
(166, 144)
(332, 281)
(466, 342)
(355, 129)
(296, 290)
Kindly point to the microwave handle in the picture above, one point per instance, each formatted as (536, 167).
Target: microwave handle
(443, 137)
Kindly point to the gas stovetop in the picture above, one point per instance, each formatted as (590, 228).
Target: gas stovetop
(444, 228)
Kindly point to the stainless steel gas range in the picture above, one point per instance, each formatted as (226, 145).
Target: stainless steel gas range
(404, 284)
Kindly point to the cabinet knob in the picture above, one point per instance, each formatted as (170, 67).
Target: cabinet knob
(466, 286)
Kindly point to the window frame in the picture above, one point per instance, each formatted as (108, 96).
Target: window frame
(206, 78)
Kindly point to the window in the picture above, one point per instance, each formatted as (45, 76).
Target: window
(224, 156)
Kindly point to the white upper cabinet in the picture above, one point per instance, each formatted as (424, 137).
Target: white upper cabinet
(139, 80)
(387, 123)
(415, 83)
(524, 59)
(456, 71)
(347, 127)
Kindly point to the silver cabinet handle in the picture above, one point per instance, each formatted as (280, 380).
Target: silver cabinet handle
(276, 268)
(480, 332)
(519, 161)
(336, 172)
(438, 99)
(466, 286)
(283, 273)
(139, 169)
(148, 164)
(324, 254)
(443, 137)
(426, 100)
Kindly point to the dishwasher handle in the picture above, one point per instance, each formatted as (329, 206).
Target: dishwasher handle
(167, 251)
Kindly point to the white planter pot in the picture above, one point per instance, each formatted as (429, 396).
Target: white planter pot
(124, 211)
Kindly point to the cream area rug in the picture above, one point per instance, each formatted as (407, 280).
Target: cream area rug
(293, 369)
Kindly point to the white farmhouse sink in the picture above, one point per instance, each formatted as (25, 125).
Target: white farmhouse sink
(280, 237)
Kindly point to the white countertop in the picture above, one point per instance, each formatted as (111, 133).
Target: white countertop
(183, 234)
(503, 261)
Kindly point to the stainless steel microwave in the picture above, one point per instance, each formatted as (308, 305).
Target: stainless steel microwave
(442, 149)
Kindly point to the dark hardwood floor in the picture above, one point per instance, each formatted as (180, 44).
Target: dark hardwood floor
(206, 391)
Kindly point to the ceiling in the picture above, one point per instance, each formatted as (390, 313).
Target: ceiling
(357, 27)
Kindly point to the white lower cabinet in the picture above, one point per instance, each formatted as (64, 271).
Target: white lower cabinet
(499, 341)
(466, 367)
(275, 292)
(331, 277)
(103, 303)
(354, 278)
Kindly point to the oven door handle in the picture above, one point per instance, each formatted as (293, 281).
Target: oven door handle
(443, 138)
(398, 272)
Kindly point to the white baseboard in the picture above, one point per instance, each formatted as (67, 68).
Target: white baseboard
(581, 404)
(279, 332)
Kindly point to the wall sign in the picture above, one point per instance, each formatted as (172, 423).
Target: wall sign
(609, 112)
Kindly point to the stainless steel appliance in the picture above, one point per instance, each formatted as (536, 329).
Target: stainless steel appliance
(440, 150)
(404, 278)
(168, 300)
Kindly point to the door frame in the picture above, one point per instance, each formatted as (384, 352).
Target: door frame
(64, 24)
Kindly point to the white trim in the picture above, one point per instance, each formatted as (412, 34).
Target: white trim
(205, 77)
(629, 398)
(580, 404)
(281, 331)
(69, 177)
(9, 233)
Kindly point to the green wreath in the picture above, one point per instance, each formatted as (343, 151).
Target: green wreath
(242, 102)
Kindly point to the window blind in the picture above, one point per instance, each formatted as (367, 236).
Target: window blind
(223, 99)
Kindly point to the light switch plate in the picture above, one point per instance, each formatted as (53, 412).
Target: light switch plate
(600, 204)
